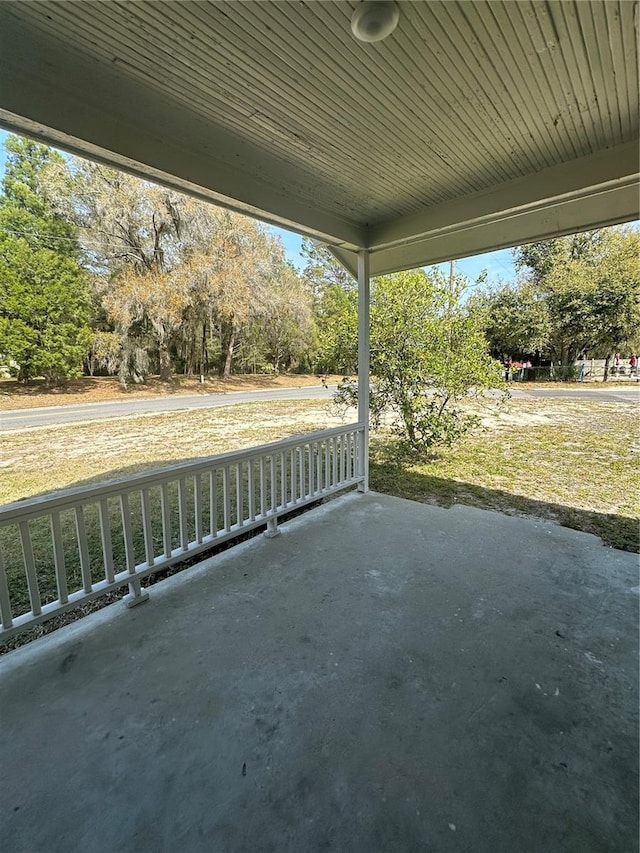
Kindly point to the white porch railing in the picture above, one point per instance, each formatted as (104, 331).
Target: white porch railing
(61, 550)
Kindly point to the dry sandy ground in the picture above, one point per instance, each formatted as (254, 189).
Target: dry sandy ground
(44, 459)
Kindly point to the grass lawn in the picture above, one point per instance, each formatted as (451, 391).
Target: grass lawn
(569, 461)
(573, 462)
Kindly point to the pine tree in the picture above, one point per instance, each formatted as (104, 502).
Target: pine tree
(44, 294)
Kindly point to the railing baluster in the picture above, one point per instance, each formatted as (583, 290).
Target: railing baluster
(127, 532)
(149, 550)
(283, 481)
(6, 616)
(293, 476)
(334, 459)
(327, 464)
(107, 544)
(197, 506)
(342, 459)
(58, 558)
(30, 568)
(83, 550)
(301, 466)
(239, 494)
(213, 502)
(166, 519)
(263, 483)
(252, 500)
(274, 481)
(226, 497)
(318, 447)
(182, 512)
(136, 594)
(354, 454)
(349, 456)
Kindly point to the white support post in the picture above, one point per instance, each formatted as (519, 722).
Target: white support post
(272, 528)
(363, 365)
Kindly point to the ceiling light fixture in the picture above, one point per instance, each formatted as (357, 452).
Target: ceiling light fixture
(374, 20)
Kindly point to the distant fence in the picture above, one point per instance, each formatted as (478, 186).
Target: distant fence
(594, 370)
(64, 549)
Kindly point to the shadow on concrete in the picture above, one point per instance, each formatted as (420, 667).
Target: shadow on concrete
(389, 478)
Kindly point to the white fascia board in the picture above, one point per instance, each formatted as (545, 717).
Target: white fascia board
(89, 108)
(614, 168)
(601, 209)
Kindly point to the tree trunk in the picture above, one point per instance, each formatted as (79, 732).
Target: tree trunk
(606, 367)
(204, 356)
(226, 373)
(165, 361)
(568, 357)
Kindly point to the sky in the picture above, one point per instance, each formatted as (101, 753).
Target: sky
(497, 264)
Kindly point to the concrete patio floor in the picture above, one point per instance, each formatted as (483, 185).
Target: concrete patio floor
(384, 676)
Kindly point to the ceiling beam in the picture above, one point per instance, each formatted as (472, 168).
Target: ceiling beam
(601, 209)
(91, 108)
(613, 168)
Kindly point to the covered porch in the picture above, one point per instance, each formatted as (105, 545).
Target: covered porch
(382, 676)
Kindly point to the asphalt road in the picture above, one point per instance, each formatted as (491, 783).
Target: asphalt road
(27, 418)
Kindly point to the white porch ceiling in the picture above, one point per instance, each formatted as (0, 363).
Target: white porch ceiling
(474, 126)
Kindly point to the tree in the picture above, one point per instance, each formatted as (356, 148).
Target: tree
(337, 330)
(515, 319)
(428, 353)
(539, 258)
(589, 287)
(187, 275)
(335, 295)
(322, 270)
(285, 326)
(238, 263)
(156, 298)
(594, 300)
(105, 353)
(44, 295)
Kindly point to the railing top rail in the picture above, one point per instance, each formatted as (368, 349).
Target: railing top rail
(66, 498)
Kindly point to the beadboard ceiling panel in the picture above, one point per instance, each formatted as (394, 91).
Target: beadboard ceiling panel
(469, 113)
